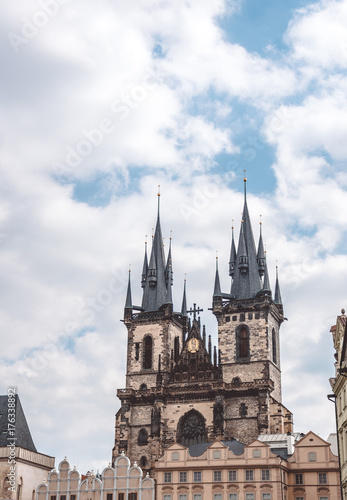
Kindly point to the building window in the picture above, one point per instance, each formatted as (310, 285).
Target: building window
(299, 479)
(217, 496)
(322, 478)
(242, 342)
(274, 347)
(167, 477)
(175, 455)
(232, 475)
(137, 351)
(133, 496)
(197, 477)
(232, 496)
(217, 475)
(249, 476)
(53, 497)
(284, 477)
(167, 497)
(197, 496)
(191, 429)
(323, 498)
(143, 437)
(299, 498)
(266, 496)
(143, 461)
(312, 456)
(216, 454)
(183, 477)
(243, 410)
(120, 496)
(62, 497)
(176, 349)
(182, 496)
(249, 496)
(147, 357)
(256, 454)
(265, 475)
(73, 497)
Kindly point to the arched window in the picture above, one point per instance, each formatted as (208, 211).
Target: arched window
(176, 349)
(274, 347)
(191, 429)
(143, 461)
(147, 354)
(143, 387)
(143, 437)
(242, 342)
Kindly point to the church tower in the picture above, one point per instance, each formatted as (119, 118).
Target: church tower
(179, 388)
(249, 320)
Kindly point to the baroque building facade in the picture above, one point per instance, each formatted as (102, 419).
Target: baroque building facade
(179, 389)
(339, 387)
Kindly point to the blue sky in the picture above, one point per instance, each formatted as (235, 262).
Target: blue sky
(99, 106)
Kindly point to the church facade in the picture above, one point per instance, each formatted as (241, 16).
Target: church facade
(179, 388)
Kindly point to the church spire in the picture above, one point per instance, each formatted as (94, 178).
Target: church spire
(278, 298)
(184, 301)
(169, 270)
(217, 288)
(128, 300)
(145, 267)
(246, 283)
(155, 291)
(232, 260)
(261, 253)
(266, 285)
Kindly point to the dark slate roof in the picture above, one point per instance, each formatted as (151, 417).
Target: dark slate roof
(198, 449)
(247, 285)
(280, 452)
(22, 432)
(278, 298)
(155, 296)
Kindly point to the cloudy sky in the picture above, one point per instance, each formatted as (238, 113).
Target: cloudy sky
(101, 102)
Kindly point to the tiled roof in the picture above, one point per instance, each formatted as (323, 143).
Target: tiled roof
(21, 431)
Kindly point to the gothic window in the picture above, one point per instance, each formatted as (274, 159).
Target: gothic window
(243, 410)
(137, 351)
(191, 429)
(143, 461)
(143, 437)
(147, 355)
(143, 387)
(176, 349)
(274, 347)
(242, 342)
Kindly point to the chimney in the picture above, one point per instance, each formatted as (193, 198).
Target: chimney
(290, 443)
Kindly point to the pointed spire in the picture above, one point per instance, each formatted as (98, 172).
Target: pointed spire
(232, 260)
(145, 267)
(261, 253)
(209, 347)
(155, 289)
(215, 355)
(217, 288)
(246, 281)
(169, 287)
(128, 300)
(168, 265)
(184, 300)
(266, 286)
(278, 298)
(204, 335)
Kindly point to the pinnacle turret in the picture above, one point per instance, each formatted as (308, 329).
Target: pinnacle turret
(128, 300)
(184, 301)
(278, 298)
(261, 254)
(232, 261)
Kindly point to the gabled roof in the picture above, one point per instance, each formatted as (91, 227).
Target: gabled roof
(21, 431)
(234, 446)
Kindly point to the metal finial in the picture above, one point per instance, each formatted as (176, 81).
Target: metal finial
(245, 183)
(170, 234)
(158, 189)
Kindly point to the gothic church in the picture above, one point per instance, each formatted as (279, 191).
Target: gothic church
(179, 389)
